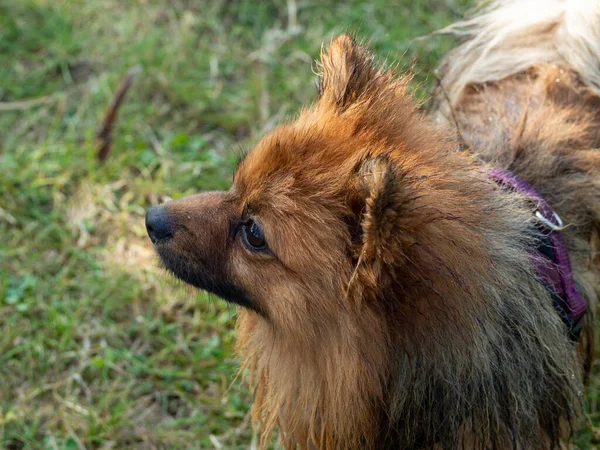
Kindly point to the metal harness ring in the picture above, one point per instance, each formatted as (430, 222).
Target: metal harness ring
(558, 226)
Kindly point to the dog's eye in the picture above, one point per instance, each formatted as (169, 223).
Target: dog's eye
(253, 236)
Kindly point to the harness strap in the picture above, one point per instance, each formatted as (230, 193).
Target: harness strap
(551, 259)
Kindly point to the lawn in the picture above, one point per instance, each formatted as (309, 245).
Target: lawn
(99, 348)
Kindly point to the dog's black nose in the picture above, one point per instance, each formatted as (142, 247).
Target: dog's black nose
(157, 224)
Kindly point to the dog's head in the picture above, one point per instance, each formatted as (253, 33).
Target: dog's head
(310, 200)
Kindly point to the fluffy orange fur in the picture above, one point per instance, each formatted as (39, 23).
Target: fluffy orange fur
(396, 305)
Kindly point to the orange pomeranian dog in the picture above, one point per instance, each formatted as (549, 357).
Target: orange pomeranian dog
(411, 280)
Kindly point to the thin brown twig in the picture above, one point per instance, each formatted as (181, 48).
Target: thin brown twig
(104, 134)
(442, 88)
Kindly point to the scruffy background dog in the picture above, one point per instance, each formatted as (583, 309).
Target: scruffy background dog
(387, 290)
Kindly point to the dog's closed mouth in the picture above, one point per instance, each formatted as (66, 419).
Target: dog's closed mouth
(201, 277)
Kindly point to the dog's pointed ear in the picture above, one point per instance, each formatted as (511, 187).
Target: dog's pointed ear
(346, 71)
(384, 199)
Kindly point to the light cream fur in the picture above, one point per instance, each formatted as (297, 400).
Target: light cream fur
(506, 37)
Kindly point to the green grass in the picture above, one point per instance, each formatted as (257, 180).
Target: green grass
(98, 347)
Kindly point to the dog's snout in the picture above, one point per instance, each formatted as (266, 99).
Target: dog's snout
(158, 224)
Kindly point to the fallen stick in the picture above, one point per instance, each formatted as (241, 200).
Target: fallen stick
(104, 134)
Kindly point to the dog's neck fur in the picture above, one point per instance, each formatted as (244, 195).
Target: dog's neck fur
(434, 366)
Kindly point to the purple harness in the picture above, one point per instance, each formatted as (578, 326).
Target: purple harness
(551, 259)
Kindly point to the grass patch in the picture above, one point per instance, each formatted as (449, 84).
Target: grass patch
(99, 349)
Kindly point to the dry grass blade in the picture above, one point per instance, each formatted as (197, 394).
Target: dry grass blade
(25, 104)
